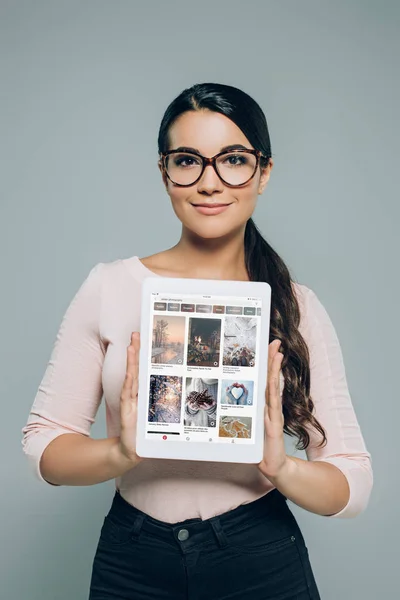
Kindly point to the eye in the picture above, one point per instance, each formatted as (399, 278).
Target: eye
(235, 160)
(185, 160)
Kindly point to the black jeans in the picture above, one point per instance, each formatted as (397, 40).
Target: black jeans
(254, 552)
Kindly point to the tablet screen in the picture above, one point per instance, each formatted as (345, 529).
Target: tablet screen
(203, 370)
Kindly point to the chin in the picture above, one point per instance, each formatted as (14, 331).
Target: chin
(210, 233)
(212, 227)
(213, 230)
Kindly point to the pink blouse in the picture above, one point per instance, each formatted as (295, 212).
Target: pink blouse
(89, 360)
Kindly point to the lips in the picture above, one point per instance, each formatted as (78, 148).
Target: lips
(210, 205)
(210, 209)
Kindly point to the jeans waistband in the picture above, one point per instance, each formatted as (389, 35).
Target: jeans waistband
(194, 531)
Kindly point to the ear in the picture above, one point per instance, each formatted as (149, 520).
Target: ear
(265, 174)
(164, 177)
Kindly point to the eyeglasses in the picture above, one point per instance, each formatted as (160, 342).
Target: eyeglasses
(234, 168)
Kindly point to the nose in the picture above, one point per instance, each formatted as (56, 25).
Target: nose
(209, 182)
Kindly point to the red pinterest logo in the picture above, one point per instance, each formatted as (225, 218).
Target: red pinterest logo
(164, 437)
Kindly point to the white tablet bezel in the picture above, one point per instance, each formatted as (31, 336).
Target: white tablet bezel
(193, 450)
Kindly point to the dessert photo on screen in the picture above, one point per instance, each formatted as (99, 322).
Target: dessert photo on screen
(201, 402)
(240, 334)
(204, 342)
(237, 392)
(235, 427)
(165, 399)
(168, 340)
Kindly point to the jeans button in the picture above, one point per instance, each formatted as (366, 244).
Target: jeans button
(183, 535)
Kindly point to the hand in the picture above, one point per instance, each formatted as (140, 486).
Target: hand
(275, 458)
(128, 402)
(244, 396)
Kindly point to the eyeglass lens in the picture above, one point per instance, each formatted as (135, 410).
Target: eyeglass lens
(235, 168)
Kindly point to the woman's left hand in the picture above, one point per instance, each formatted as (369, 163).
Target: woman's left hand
(275, 457)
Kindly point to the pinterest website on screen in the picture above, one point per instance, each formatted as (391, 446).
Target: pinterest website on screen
(203, 368)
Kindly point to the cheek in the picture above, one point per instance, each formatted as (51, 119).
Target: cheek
(246, 200)
(180, 201)
(247, 197)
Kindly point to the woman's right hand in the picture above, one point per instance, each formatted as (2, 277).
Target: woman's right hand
(128, 402)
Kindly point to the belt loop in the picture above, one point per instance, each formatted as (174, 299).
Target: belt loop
(137, 526)
(219, 533)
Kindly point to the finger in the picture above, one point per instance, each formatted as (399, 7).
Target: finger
(134, 373)
(273, 394)
(126, 387)
(136, 346)
(135, 382)
(272, 350)
(131, 360)
(128, 403)
(135, 341)
(131, 371)
(274, 399)
(133, 353)
(275, 370)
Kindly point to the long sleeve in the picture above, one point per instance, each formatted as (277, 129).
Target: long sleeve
(71, 390)
(334, 410)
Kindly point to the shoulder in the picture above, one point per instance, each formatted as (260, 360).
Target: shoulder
(303, 294)
(316, 325)
(111, 294)
(111, 283)
(312, 311)
(118, 270)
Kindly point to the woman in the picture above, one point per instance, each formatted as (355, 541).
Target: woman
(182, 529)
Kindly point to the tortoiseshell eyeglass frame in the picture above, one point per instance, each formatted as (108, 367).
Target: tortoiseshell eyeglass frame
(212, 161)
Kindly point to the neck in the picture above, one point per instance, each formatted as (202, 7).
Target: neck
(222, 258)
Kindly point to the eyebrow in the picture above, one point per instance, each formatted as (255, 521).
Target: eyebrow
(224, 149)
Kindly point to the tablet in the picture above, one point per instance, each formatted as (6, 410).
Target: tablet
(203, 369)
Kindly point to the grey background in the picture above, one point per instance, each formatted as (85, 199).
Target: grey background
(83, 89)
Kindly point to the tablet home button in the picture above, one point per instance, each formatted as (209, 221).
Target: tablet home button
(183, 535)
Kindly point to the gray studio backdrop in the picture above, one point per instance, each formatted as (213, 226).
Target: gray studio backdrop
(83, 88)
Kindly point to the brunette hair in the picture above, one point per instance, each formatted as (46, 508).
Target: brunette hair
(262, 262)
